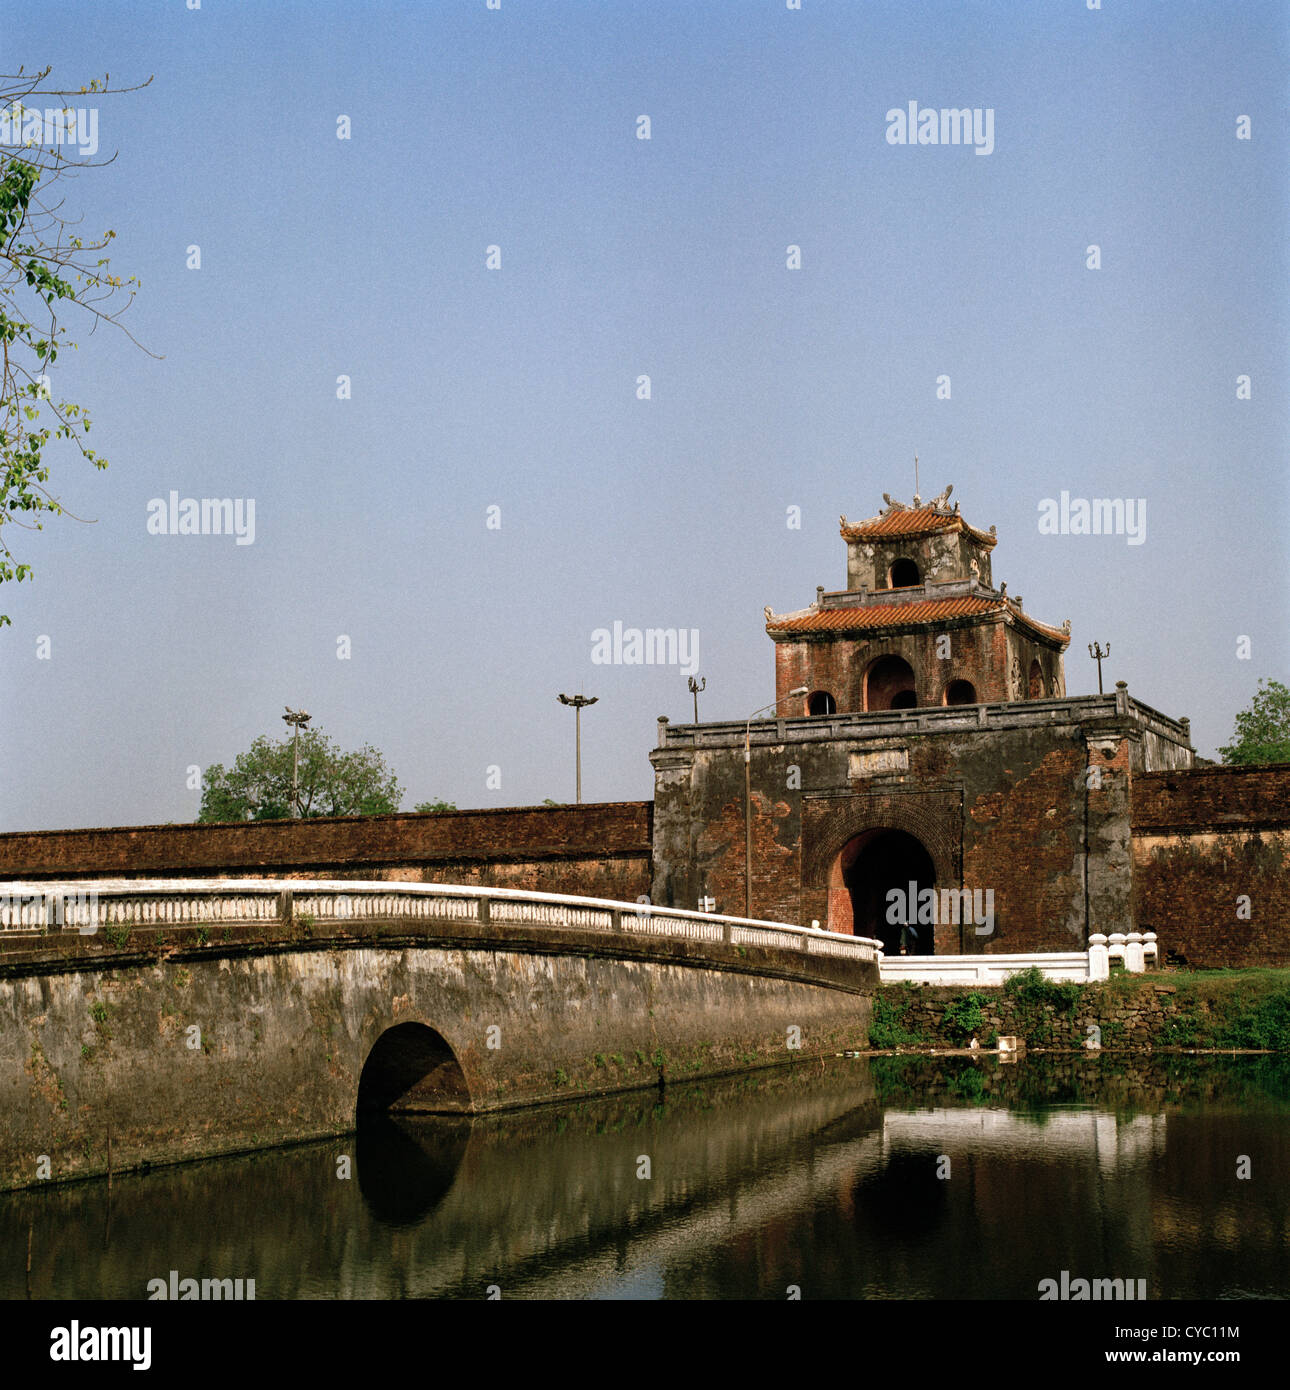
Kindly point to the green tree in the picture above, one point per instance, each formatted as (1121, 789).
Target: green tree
(1263, 731)
(434, 807)
(332, 782)
(44, 268)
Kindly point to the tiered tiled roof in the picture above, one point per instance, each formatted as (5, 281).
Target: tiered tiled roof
(910, 522)
(885, 615)
(866, 617)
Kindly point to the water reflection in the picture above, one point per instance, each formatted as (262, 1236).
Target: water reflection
(896, 1178)
(402, 1176)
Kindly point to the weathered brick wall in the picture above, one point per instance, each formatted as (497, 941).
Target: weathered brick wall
(1023, 650)
(1211, 863)
(599, 850)
(1000, 807)
(837, 664)
(1022, 838)
(1208, 798)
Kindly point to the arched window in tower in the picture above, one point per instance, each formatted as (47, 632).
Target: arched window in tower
(889, 684)
(821, 702)
(904, 574)
(1035, 687)
(960, 693)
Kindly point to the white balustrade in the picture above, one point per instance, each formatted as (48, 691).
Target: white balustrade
(1077, 967)
(34, 909)
(1133, 954)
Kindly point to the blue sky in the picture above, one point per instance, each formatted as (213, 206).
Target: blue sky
(516, 388)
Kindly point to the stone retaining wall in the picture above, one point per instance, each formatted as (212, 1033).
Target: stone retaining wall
(1136, 1019)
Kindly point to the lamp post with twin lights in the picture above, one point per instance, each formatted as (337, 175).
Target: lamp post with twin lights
(298, 718)
(579, 703)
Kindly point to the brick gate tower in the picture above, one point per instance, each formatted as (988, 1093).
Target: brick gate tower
(919, 623)
(935, 747)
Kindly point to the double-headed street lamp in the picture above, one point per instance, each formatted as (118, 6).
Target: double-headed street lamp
(800, 690)
(578, 702)
(298, 717)
(696, 688)
(1098, 655)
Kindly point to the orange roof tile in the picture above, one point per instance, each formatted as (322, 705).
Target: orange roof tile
(863, 618)
(925, 521)
(1058, 634)
(887, 615)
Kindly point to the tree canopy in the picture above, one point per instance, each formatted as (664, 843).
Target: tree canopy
(1262, 732)
(44, 267)
(332, 782)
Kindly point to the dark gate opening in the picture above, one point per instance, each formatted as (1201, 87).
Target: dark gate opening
(874, 865)
(412, 1070)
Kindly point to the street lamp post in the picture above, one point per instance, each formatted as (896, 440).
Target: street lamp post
(695, 688)
(578, 701)
(801, 690)
(298, 718)
(1099, 656)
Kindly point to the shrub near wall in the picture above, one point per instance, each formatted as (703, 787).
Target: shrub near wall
(1219, 1010)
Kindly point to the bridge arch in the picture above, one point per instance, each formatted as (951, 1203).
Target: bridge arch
(412, 1069)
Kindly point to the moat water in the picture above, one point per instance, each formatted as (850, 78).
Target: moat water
(883, 1178)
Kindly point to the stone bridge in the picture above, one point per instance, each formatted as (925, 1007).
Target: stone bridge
(148, 1022)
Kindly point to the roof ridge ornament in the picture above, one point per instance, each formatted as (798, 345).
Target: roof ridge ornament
(939, 503)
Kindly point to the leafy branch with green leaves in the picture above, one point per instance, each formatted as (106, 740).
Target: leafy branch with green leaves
(44, 268)
(1262, 733)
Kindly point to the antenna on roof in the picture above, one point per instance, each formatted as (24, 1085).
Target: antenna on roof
(917, 498)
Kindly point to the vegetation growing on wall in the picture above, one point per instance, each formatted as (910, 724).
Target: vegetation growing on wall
(1210, 1010)
(887, 1026)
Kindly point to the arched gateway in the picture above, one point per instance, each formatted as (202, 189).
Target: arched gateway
(866, 872)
